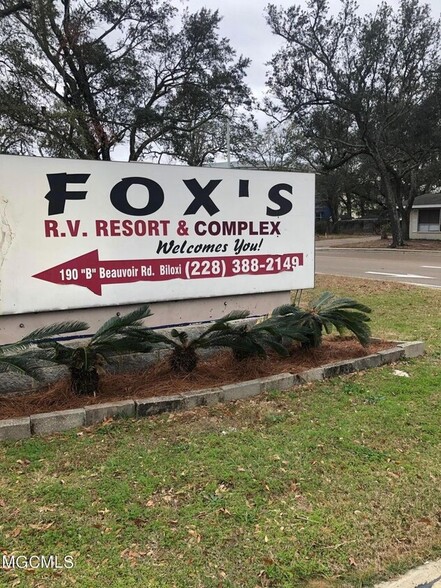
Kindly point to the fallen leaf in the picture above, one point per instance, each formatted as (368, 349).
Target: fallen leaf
(393, 474)
(401, 374)
(139, 522)
(42, 526)
(225, 511)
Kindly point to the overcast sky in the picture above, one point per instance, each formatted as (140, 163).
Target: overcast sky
(244, 24)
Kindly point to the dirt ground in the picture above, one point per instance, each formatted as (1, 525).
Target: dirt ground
(215, 371)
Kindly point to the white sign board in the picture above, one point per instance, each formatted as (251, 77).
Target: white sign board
(80, 234)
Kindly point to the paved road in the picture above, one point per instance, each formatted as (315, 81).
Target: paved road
(422, 268)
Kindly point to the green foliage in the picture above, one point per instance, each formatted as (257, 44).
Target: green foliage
(184, 357)
(55, 330)
(80, 78)
(325, 313)
(120, 334)
(363, 90)
(126, 334)
(23, 359)
(247, 341)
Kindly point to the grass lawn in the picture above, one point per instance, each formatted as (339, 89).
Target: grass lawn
(334, 484)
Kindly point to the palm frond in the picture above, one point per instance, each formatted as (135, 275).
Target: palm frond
(123, 345)
(11, 348)
(250, 340)
(248, 346)
(285, 309)
(288, 328)
(279, 348)
(54, 330)
(182, 336)
(221, 324)
(344, 321)
(234, 315)
(57, 352)
(116, 324)
(328, 301)
(156, 338)
(325, 313)
(350, 304)
(321, 301)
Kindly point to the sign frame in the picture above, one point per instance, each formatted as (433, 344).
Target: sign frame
(85, 234)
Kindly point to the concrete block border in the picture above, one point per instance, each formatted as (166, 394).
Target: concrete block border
(15, 429)
(53, 422)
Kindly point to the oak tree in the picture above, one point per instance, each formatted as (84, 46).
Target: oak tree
(81, 78)
(379, 72)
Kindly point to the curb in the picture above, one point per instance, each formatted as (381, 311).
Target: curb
(427, 575)
(399, 249)
(53, 422)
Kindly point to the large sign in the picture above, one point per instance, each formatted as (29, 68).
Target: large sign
(78, 234)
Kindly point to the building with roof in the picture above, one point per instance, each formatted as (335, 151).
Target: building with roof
(425, 217)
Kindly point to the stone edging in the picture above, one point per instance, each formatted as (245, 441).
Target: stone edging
(63, 420)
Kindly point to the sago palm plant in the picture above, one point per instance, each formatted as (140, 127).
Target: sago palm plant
(25, 358)
(184, 357)
(120, 334)
(254, 340)
(325, 313)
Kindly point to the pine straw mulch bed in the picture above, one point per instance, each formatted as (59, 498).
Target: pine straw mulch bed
(158, 380)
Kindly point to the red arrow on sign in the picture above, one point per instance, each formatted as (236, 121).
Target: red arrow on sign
(88, 271)
(91, 273)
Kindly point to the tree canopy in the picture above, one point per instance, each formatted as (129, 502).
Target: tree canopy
(80, 78)
(358, 97)
(366, 86)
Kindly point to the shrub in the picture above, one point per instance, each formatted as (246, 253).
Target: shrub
(120, 334)
(325, 313)
(247, 341)
(24, 358)
(184, 357)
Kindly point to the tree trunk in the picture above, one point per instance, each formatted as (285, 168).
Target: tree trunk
(405, 224)
(397, 235)
(392, 200)
(407, 208)
(84, 381)
(348, 204)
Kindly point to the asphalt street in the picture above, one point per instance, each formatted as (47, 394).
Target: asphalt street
(422, 268)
